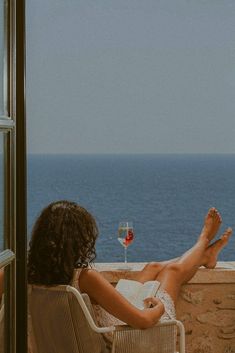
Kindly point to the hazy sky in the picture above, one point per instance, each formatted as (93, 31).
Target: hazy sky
(131, 76)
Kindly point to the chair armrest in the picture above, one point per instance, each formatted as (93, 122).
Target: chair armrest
(80, 298)
(159, 324)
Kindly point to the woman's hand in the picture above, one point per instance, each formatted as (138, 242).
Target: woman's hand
(151, 302)
(154, 310)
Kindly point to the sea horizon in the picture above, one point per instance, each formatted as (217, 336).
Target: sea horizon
(166, 196)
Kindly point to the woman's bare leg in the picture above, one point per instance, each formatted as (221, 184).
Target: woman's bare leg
(211, 254)
(174, 275)
(211, 225)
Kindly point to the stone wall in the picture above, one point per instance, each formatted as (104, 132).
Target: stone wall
(206, 306)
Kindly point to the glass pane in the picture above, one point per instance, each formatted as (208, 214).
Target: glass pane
(2, 31)
(1, 312)
(1, 191)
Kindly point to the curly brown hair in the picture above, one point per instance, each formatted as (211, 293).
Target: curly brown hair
(63, 238)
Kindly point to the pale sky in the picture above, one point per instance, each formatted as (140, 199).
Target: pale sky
(131, 76)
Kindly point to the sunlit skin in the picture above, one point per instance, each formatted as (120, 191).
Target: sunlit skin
(171, 274)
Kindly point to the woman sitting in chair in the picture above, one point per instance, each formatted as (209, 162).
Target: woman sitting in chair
(63, 239)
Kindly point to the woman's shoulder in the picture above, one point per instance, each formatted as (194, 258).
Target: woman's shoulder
(83, 276)
(92, 281)
(89, 274)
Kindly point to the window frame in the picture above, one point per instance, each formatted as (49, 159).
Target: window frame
(12, 124)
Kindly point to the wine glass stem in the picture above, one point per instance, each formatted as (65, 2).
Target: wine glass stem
(125, 254)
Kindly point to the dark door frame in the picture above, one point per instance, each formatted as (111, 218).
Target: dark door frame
(21, 180)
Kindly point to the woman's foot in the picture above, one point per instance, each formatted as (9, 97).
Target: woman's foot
(214, 249)
(212, 223)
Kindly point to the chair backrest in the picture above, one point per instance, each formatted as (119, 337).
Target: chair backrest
(158, 339)
(58, 324)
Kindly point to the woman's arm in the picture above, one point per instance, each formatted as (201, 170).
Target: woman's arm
(104, 294)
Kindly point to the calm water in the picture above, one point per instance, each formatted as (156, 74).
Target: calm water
(165, 196)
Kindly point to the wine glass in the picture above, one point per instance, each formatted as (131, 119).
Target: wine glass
(125, 236)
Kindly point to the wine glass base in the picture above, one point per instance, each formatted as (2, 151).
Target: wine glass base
(124, 267)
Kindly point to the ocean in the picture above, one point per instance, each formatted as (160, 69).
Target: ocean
(165, 196)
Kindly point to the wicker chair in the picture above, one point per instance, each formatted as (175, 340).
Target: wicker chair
(62, 320)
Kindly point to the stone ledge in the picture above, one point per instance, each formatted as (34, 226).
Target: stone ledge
(223, 273)
(206, 305)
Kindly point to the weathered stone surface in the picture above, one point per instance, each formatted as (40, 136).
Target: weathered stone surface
(186, 317)
(227, 333)
(187, 320)
(231, 296)
(219, 318)
(217, 301)
(201, 344)
(226, 336)
(229, 349)
(228, 330)
(209, 296)
(192, 297)
(210, 315)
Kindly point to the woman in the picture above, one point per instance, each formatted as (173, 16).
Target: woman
(63, 239)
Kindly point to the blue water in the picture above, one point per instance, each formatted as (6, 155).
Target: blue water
(165, 196)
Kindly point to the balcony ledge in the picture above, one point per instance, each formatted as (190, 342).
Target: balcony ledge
(206, 305)
(223, 273)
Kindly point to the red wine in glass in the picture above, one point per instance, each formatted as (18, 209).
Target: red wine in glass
(125, 236)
